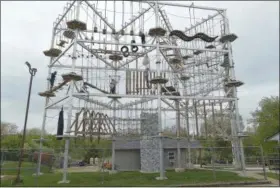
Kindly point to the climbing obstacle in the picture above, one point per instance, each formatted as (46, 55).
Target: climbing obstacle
(228, 38)
(69, 34)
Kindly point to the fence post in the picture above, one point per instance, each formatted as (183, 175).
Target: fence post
(212, 161)
(263, 163)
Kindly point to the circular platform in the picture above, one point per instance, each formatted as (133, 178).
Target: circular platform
(46, 94)
(234, 83)
(158, 31)
(72, 76)
(53, 52)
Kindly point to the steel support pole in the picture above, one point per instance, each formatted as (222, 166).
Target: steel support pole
(178, 133)
(44, 114)
(69, 115)
(188, 134)
(113, 137)
(161, 151)
(205, 119)
(240, 149)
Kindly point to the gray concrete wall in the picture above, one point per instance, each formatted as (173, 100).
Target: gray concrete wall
(149, 151)
(169, 165)
(127, 160)
(149, 146)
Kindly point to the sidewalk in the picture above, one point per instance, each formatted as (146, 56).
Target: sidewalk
(254, 174)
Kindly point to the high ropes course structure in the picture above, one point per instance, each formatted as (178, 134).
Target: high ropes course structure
(112, 62)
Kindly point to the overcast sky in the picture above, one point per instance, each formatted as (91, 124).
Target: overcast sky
(26, 32)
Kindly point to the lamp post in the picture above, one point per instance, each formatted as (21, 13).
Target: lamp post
(32, 72)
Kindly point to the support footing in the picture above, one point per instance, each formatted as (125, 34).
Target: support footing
(113, 172)
(63, 181)
(161, 178)
(179, 170)
(38, 174)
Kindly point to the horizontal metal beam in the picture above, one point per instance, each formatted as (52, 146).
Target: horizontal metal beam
(94, 102)
(151, 45)
(130, 69)
(187, 6)
(133, 103)
(155, 96)
(58, 101)
(109, 33)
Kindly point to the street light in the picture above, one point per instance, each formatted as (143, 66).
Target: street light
(32, 72)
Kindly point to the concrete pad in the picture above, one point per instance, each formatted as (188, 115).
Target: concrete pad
(113, 172)
(161, 178)
(66, 181)
(148, 172)
(39, 174)
(179, 170)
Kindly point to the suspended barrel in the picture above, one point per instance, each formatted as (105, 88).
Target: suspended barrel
(62, 43)
(69, 34)
(225, 63)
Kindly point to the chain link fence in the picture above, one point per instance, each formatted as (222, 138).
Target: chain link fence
(93, 166)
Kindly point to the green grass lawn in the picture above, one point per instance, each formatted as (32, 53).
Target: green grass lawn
(124, 178)
(272, 175)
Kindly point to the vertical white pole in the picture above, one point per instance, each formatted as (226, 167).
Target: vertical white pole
(161, 150)
(240, 150)
(44, 114)
(69, 115)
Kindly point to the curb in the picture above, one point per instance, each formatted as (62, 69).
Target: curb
(222, 184)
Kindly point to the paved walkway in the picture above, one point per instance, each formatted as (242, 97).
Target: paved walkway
(255, 174)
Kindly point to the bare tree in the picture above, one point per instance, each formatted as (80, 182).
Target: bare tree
(8, 128)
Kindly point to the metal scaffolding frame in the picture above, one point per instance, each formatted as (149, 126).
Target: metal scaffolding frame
(204, 83)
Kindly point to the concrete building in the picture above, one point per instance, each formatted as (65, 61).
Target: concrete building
(129, 158)
(143, 153)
